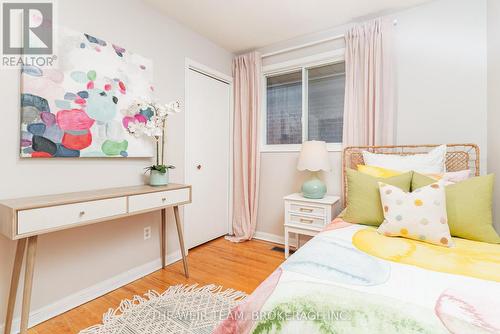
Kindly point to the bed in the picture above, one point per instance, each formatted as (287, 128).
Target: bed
(350, 279)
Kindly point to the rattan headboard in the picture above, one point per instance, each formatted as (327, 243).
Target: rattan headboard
(458, 157)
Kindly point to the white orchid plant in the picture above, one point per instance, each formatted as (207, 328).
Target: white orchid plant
(149, 118)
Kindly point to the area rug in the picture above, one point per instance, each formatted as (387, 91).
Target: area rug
(181, 309)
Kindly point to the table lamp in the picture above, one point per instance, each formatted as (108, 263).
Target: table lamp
(314, 157)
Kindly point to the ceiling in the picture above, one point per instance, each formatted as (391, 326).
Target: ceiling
(239, 25)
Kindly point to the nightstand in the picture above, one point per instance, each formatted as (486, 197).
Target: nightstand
(307, 216)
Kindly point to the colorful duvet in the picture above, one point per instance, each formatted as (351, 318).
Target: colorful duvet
(350, 280)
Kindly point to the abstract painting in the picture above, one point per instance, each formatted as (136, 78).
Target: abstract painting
(77, 108)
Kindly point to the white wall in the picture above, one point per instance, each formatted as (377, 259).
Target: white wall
(494, 100)
(73, 260)
(442, 69)
(441, 64)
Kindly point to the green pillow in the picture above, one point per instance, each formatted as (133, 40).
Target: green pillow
(469, 207)
(363, 196)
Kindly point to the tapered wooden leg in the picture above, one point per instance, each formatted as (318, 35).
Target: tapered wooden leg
(181, 240)
(28, 283)
(14, 283)
(163, 240)
(287, 243)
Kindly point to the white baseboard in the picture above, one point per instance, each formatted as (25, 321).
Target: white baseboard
(90, 293)
(278, 239)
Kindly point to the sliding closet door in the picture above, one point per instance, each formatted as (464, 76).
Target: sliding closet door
(208, 157)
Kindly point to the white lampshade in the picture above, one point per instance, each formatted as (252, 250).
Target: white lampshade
(314, 156)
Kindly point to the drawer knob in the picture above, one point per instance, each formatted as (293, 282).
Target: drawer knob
(163, 199)
(306, 210)
(307, 221)
(82, 213)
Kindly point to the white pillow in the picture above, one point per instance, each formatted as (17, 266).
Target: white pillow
(427, 163)
(452, 177)
(420, 215)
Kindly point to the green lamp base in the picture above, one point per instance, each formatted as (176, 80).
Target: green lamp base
(314, 188)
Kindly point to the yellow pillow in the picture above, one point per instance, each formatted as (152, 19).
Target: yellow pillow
(384, 173)
(379, 172)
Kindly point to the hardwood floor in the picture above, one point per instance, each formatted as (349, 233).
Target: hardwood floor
(240, 266)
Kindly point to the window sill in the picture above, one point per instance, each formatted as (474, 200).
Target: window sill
(332, 147)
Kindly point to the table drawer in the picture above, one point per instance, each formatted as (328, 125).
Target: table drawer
(158, 199)
(307, 209)
(306, 220)
(37, 220)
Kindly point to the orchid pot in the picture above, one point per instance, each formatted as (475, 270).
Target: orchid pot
(157, 178)
(158, 175)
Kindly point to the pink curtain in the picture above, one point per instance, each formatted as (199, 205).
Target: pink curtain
(369, 105)
(246, 157)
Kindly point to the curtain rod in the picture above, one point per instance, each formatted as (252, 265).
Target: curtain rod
(305, 45)
(301, 46)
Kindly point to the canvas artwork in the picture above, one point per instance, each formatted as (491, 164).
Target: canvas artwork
(77, 109)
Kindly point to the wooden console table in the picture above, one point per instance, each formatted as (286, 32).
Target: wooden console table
(24, 219)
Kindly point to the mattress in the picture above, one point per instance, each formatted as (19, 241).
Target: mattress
(349, 279)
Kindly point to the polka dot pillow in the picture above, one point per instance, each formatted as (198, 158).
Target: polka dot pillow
(420, 215)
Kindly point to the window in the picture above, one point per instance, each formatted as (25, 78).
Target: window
(284, 109)
(305, 104)
(326, 103)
